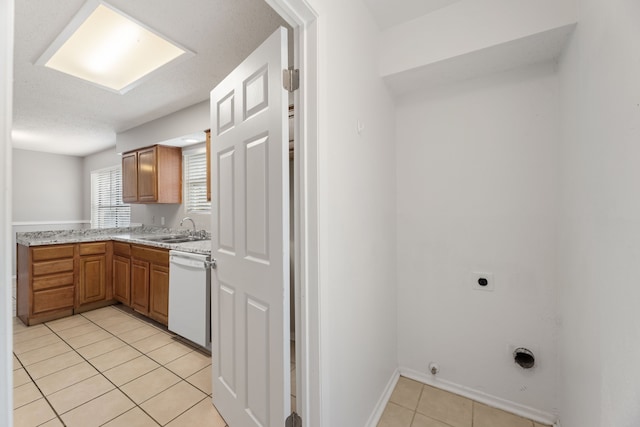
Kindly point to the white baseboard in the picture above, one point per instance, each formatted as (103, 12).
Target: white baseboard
(493, 401)
(384, 398)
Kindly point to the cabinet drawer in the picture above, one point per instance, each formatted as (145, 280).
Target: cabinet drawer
(122, 248)
(52, 299)
(51, 252)
(156, 256)
(47, 282)
(94, 248)
(51, 267)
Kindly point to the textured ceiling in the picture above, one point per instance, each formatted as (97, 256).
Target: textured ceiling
(56, 113)
(392, 12)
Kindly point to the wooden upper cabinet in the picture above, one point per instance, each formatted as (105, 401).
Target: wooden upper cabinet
(157, 177)
(147, 175)
(130, 177)
(208, 151)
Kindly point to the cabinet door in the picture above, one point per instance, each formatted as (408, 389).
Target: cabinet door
(140, 285)
(147, 175)
(159, 294)
(122, 279)
(93, 279)
(130, 177)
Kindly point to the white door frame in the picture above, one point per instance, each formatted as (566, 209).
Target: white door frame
(6, 116)
(303, 19)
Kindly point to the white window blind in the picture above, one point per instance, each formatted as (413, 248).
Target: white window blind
(107, 208)
(195, 182)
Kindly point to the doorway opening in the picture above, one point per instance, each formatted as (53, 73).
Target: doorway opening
(303, 187)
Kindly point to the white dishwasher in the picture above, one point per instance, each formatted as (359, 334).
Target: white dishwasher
(190, 296)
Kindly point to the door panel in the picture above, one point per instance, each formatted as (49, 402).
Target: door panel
(256, 180)
(159, 294)
(226, 205)
(140, 285)
(227, 335)
(122, 279)
(130, 177)
(147, 175)
(93, 276)
(250, 287)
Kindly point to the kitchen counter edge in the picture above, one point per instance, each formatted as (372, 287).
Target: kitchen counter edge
(199, 247)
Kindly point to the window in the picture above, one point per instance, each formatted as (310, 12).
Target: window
(195, 181)
(107, 209)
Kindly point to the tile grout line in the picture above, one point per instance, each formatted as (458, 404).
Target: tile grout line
(136, 405)
(41, 393)
(93, 366)
(104, 376)
(473, 411)
(161, 365)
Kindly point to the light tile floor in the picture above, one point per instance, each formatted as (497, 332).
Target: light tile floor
(108, 367)
(413, 404)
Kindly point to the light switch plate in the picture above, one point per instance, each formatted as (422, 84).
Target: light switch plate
(477, 278)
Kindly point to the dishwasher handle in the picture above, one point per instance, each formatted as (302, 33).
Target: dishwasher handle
(186, 262)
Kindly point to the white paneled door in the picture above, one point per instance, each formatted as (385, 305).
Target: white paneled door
(250, 240)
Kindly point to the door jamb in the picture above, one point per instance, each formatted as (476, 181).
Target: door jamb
(6, 100)
(303, 19)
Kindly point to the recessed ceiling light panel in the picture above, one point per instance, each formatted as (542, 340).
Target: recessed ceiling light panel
(110, 49)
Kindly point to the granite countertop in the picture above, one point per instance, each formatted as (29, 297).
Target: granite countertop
(129, 235)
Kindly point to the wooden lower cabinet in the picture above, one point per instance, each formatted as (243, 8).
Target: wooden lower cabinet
(159, 294)
(140, 285)
(46, 282)
(121, 271)
(94, 276)
(150, 282)
(58, 280)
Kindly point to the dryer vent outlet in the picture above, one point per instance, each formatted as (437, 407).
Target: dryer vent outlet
(524, 358)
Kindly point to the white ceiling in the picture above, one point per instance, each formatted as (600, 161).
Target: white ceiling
(57, 113)
(392, 12)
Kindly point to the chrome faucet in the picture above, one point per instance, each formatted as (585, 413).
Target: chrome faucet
(186, 218)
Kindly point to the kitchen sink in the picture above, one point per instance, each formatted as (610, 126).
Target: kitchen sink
(174, 238)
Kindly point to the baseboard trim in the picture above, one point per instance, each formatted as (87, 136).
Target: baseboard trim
(496, 402)
(384, 398)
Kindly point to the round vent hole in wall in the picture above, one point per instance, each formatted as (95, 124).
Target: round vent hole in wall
(524, 358)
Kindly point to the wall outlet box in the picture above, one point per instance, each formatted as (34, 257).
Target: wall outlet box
(482, 281)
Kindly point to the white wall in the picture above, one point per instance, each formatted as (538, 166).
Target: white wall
(600, 218)
(46, 186)
(468, 26)
(47, 193)
(477, 177)
(195, 118)
(357, 227)
(6, 97)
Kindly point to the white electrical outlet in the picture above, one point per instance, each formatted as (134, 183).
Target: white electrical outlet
(482, 281)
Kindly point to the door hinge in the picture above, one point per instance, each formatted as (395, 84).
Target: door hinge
(293, 420)
(291, 79)
(212, 264)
